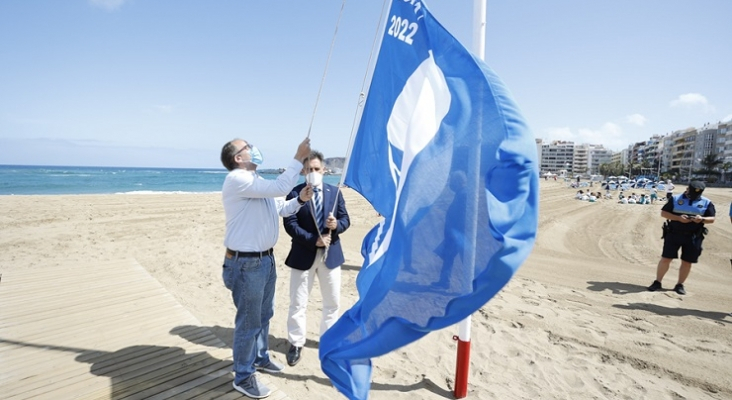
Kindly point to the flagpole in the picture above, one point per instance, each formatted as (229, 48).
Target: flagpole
(463, 351)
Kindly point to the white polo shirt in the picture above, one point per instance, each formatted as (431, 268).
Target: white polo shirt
(253, 205)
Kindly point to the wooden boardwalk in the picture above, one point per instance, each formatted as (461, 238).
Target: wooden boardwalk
(105, 331)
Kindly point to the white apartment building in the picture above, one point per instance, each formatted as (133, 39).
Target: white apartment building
(620, 157)
(680, 151)
(706, 142)
(589, 157)
(557, 156)
(724, 139)
(598, 155)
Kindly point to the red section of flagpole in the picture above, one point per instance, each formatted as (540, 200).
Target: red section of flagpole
(462, 368)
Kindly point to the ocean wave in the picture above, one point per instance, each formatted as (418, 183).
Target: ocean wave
(68, 175)
(165, 192)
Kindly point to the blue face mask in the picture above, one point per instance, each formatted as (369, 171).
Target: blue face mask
(256, 156)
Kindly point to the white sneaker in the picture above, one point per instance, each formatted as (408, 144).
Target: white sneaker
(253, 387)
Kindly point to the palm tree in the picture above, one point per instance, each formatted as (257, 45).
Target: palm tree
(709, 164)
(614, 168)
(725, 167)
(633, 167)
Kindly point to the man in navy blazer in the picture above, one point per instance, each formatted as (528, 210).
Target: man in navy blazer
(316, 252)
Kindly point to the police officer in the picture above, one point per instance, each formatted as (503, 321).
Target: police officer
(686, 216)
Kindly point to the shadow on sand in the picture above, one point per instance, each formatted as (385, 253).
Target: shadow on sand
(169, 371)
(676, 312)
(616, 287)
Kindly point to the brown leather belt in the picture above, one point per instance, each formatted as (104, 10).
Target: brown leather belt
(239, 254)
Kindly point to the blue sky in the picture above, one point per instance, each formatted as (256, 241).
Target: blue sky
(166, 83)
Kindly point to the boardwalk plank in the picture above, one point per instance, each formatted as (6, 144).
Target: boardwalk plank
(105, 331)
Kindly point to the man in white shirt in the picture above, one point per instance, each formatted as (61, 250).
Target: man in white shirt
(252, 206)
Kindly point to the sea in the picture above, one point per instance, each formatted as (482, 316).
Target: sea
(45, 180)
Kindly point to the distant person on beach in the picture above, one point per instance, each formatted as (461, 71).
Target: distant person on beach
(252, 207)
(315, 252)
(686, 214)
(669, 190)
(654, 194)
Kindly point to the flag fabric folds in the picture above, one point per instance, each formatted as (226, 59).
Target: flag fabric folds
(444, 155)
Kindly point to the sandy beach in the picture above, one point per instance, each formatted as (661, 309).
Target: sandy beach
(576, 322)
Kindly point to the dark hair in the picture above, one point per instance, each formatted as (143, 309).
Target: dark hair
(227, 155)
(314, 154)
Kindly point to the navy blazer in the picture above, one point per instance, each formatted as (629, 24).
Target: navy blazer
(301, 227)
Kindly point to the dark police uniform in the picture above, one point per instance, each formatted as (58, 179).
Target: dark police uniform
(687, 236)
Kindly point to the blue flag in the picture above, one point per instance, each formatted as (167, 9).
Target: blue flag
(443, 154)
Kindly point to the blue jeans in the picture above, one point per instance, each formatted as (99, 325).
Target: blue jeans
(252, 284)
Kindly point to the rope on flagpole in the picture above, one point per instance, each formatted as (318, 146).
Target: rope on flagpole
(325, 71)
(362, 95)
(315, 109)
(359, 104)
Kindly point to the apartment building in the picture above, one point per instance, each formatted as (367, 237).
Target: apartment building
(589, 157)
(556, 156)
(681, 151)
(682, 148)
(724, 139)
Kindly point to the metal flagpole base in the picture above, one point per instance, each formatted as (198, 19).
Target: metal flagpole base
(462, 368)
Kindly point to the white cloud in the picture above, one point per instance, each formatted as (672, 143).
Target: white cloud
(692, 100)
(608, 132)
(109, 5)
(560, 133)
(727, 118)
(610, 135)
(636, 119)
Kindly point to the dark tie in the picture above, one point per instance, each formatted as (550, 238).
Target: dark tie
(318, 203)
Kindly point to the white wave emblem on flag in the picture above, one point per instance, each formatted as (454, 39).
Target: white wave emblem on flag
(414, 121)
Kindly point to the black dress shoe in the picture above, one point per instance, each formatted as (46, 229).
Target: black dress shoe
(293, 355)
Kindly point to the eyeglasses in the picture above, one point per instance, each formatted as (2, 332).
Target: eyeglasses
(246, 147)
